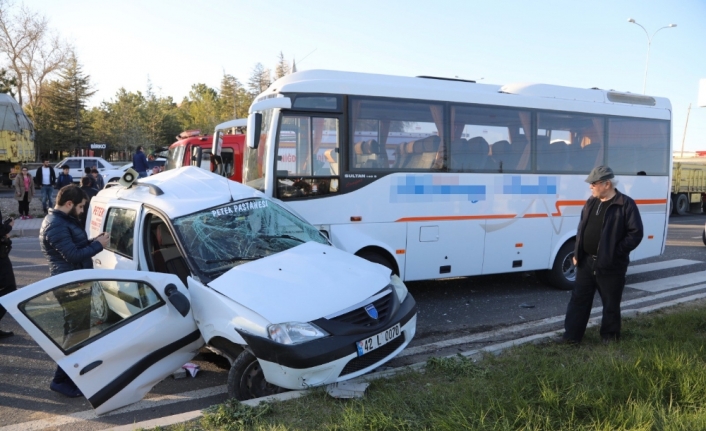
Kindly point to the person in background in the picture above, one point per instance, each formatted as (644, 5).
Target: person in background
(100, 184)
(46, 178)
(609, 229)
(155, 170)
(65, 179)
(139, 162)
(24, 191)
(87, 174)
(90, 193)
(7, 274)
(67, 247)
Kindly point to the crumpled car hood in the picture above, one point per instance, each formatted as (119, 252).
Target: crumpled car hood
(303, 283)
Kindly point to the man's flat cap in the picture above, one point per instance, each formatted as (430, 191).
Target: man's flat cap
(600, 173)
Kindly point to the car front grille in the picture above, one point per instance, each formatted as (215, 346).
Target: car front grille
(360, 317)
(369, 359)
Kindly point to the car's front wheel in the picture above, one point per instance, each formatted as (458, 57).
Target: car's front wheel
(246, 379)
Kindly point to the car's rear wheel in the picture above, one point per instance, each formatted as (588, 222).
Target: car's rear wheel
(246, 379)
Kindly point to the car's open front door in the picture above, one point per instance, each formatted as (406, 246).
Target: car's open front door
(115, 333)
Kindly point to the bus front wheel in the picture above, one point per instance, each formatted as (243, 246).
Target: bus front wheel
(377, 257)
(563, 272)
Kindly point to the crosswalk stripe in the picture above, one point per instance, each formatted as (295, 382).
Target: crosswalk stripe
(670, 282)
(656, 266)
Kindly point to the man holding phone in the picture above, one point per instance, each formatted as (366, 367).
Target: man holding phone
(66, 246)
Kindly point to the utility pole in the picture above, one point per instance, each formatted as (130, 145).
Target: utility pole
(684, 137)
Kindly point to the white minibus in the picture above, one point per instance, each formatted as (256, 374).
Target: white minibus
(439, 178)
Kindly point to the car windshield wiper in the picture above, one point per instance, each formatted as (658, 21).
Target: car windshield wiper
(234, 259)
(294, 238)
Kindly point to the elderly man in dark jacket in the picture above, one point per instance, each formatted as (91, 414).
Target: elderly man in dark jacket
(609, 229)
(67, 247)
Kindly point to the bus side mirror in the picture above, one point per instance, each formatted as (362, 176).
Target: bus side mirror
(196, 156)
(253, 131)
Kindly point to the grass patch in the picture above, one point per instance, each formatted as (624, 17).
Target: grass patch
(654, 379)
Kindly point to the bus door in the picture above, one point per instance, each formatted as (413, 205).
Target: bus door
(444, 248)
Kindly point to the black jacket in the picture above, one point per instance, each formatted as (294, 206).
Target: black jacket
(621, 234)
(65, 244)
(38, 176)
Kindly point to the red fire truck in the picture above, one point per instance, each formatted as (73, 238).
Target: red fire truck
(192, 148)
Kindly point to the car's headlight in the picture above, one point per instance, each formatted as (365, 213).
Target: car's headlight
(399, 286)
(295, 332)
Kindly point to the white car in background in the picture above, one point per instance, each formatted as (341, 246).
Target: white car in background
(266, 290)
(77, 166)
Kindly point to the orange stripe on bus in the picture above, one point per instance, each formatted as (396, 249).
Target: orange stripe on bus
(509, 216)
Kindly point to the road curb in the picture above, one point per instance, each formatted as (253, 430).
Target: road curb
(22, 233)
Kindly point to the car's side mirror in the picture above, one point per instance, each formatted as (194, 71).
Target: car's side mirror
(177, 299)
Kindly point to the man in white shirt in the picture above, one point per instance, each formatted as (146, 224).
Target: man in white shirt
(46, 178)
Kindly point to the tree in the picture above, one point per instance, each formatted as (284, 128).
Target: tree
(62, 113)
(234, 99)
(282, 68)
(200, 108)
(7, 83)
(259, 79)
(33, 51)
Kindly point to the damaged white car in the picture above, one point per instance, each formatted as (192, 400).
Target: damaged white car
(197, 259)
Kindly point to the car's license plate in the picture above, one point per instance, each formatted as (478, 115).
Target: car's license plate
(377, 340)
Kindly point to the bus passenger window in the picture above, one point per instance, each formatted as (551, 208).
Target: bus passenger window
(396, 135)
(569, 142)
(489, 139)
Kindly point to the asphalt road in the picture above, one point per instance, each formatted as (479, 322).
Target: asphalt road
(448, 309)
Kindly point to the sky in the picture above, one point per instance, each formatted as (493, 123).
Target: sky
(174, 44)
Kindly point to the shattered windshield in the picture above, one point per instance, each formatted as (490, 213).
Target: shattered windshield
(219, 238)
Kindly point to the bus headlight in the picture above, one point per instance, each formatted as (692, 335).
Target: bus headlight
(295, 332)
(400, 288)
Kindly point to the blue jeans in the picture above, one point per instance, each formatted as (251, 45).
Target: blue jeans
(142, 174)
(47, 191)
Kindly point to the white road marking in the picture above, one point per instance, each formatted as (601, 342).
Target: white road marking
(656, 266)
(409, 351)
(30, 266)
(670, 282)
(90, 415)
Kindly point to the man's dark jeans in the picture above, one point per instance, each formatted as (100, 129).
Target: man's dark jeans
(610, 287)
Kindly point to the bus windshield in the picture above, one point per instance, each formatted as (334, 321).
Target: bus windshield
(220, 238)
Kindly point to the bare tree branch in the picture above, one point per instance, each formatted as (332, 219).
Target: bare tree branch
(32, 50)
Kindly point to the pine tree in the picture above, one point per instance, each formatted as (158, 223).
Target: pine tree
(282, 68)
(60, 118)
(259, 80)
(231, 105)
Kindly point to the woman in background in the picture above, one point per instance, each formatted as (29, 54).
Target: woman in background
(24, 191)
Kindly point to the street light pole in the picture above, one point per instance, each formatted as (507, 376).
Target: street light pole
(649, 44)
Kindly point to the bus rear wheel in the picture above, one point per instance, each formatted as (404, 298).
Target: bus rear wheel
(563, 272)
